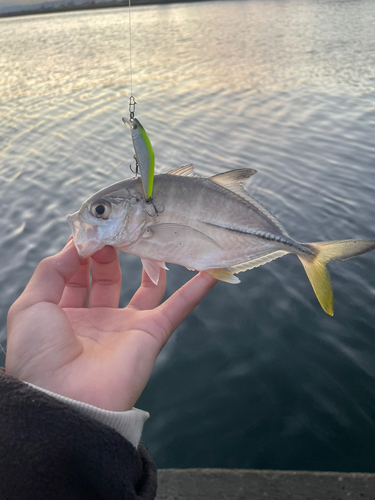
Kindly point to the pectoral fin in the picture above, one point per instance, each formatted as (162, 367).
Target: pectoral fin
(152, 268)
(178, 232)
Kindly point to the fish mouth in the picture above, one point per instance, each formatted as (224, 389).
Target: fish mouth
(85, 236)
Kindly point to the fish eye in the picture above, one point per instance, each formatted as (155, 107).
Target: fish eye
(101, 209)
(135, 126)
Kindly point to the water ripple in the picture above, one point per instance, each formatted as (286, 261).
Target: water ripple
(287, 88)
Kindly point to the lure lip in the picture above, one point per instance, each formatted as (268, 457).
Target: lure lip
(133, 124)
(127, 122)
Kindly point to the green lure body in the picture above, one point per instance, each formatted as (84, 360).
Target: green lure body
(144, 154)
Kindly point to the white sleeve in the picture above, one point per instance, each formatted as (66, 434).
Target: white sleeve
(128, 423)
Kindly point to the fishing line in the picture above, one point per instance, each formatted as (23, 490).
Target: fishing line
(132, 101)
(130, 49)
(144, 154)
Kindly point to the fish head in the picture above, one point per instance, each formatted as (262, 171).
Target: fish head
(113, 216)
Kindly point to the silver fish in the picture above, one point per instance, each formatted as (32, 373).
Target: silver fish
(205, 224)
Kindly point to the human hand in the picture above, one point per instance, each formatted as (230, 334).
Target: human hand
(99, 354)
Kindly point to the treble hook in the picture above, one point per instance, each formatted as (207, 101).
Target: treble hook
(132, 103)
(136, 167)
(150, 201)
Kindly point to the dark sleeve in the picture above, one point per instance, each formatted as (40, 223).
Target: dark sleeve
(50, 451)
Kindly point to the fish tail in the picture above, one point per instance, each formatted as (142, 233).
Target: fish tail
(329, 251)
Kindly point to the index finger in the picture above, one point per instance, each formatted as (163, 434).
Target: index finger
(48, 282)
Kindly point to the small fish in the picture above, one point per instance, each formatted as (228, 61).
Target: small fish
(144, 154)
(205, 224)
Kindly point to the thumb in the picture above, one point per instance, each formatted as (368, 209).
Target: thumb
(48, 281)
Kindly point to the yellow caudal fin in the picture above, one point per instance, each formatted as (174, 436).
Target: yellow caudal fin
(330, 251)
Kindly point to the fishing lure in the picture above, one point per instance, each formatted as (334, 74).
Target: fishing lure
(144, 155)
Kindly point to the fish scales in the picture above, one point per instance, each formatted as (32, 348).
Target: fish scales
(226, 211)
(208, 202)
(268, 236)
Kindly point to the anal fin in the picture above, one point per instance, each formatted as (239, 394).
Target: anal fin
(222, 275)
(227, 274)
(259, 261)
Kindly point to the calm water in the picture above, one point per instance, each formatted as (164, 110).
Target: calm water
(258, 376)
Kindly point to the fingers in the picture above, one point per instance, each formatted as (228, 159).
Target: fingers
(77, 289)
(106, 278)
(50, 277)
(148, 295)
(174, 310)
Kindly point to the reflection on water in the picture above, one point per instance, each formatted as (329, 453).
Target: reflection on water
(258, 376)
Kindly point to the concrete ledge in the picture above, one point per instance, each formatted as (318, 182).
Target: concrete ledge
(224, 484)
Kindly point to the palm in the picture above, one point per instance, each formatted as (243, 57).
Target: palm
(99, 354)
(117, 347)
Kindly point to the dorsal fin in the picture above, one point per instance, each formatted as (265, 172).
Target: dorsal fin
(185, 171)
(233, 181)
(233, 178)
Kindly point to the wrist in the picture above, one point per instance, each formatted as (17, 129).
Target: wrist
(127, 423)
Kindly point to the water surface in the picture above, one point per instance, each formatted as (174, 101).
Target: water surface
(258, 376)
